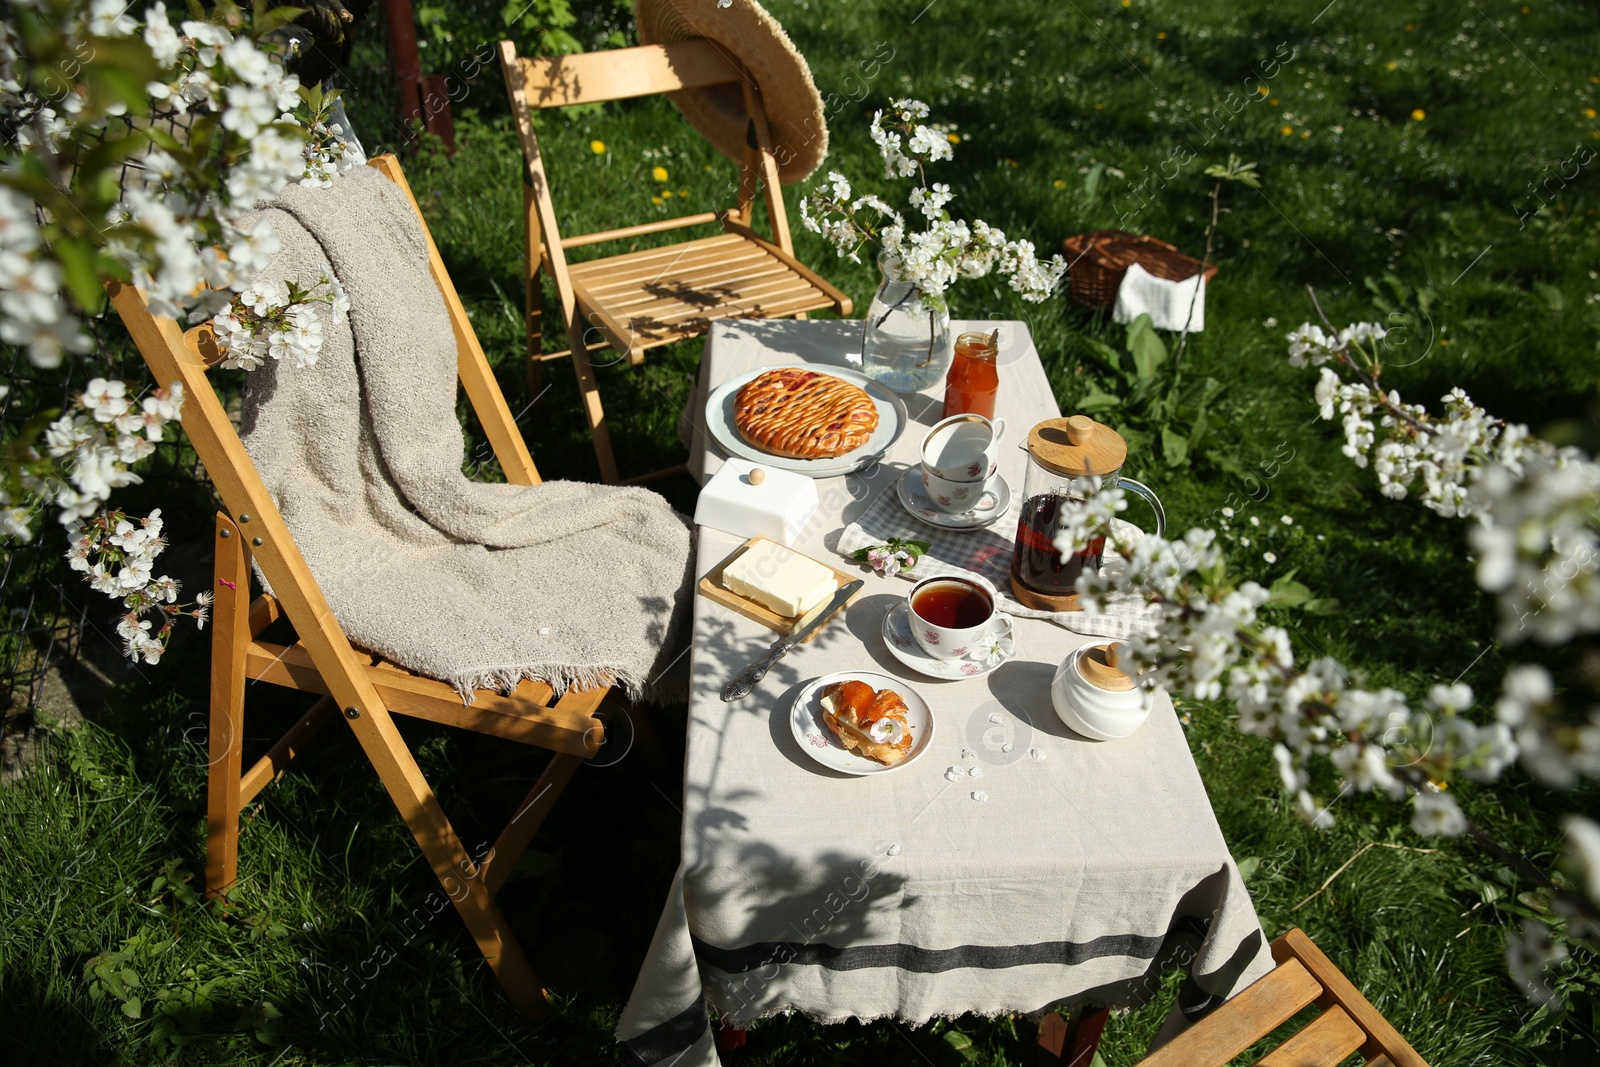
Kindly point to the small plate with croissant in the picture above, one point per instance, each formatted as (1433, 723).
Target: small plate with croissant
(861, 722)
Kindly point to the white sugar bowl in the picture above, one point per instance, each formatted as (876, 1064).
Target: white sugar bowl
(1094, 697)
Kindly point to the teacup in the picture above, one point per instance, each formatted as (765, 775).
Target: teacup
(963, 447)
(950, 615)
(955, 496)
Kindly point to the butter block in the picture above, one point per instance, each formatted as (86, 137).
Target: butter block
(778, 505)
(780, 579)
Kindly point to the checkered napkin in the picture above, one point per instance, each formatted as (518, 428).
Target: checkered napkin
(987, 552)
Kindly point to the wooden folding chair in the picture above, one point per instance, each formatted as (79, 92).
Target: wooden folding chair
(1347, 1025)
(360, 687)
(641, 300)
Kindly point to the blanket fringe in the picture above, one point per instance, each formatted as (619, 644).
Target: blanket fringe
(562, 677)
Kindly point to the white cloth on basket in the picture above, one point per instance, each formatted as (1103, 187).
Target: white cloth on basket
(1167, 303)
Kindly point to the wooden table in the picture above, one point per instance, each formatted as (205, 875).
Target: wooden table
(1084, 869)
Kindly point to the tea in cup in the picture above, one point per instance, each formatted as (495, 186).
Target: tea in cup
(950, 614)
(963, 448)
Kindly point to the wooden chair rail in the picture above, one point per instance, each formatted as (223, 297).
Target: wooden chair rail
(622, 73)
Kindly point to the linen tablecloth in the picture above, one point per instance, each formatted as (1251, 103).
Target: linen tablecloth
(1011, 867)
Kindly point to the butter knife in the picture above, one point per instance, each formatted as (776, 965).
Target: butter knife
(740, 687)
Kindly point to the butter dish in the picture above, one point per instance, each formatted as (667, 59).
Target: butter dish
(773, 503)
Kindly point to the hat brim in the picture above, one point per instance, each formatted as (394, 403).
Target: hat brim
(751, 36)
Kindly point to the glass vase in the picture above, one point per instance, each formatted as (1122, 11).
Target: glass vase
(904, 345)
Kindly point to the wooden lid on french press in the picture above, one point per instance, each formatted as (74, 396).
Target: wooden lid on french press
(1076, 446)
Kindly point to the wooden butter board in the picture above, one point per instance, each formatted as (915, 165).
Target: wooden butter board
(711, 588)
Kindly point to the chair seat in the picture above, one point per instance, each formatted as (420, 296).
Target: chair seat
(646, 299)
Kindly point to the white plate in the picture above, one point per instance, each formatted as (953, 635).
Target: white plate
(891, 422)
(903, 647)
(819, 742)
(991, 506)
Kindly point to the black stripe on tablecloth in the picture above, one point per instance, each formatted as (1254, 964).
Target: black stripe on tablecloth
(668, 1039)
(935, 960)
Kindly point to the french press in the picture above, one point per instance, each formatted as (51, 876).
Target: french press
(1059, 452)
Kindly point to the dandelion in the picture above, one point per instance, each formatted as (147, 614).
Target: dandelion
(1161, 36)
(1270, 557)
(1099, 107)
(1011, 163)
(1589, 112)
(659, 174)
(953, 138)
(597, 147)
(1263, 90)
(683, 192)
(1418, 115)
(666, 194)
(1127, 3)
(1060, 183)
(1391, 65)
(657, 200)
(1287, 130)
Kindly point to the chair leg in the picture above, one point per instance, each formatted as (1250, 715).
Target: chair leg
(459, 876)
(590, 392)
(533, 294)
(230, 639)
(1070, 1044)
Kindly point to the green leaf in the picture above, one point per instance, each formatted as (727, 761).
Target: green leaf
(1108, 357)
(1552, 297)
(1289, 593)
(1091, 183)
(1174, 447)
(1321, 605)
(1144, 344)
(961, 1043)
(1248, 865)
(1098, 401)
(80, 264)
(133, 1007)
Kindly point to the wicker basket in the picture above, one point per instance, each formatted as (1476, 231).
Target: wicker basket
(1100, 259)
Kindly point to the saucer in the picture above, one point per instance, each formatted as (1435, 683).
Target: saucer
(991, 506)
(811, 733)
(903, 647)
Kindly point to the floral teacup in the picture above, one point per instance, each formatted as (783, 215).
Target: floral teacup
(951, 615)
(962, 448)
(956, 496)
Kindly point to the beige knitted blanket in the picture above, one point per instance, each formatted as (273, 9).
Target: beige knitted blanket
(477, 584)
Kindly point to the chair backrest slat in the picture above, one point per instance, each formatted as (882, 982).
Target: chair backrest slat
(1327, 1041)
(623, 73)
(1382, 1037)
(1261, 1008)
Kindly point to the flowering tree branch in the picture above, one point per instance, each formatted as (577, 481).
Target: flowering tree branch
(948, 249)
(1535, 511)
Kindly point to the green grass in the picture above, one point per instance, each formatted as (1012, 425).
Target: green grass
(99, 842)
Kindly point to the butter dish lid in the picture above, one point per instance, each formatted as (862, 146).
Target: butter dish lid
(750, 499)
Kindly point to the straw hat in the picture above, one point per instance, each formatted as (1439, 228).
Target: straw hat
(750, 36)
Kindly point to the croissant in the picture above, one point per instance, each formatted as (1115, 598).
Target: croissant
(871, 723)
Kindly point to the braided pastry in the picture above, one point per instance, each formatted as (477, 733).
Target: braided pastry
(802, 414)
